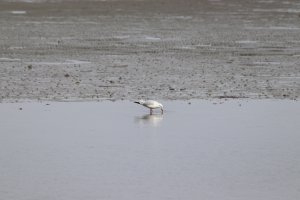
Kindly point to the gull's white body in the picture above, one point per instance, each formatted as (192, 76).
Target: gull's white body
(151, 104)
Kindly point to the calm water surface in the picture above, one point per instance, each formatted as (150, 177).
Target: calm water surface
(114, 150)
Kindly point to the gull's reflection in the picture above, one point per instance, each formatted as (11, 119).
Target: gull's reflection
(153, 120)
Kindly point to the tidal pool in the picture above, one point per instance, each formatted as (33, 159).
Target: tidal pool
(114, 150)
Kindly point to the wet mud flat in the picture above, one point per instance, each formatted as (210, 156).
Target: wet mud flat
(129, 49)
(115, 150)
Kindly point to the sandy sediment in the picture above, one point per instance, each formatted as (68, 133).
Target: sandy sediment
(128, 49)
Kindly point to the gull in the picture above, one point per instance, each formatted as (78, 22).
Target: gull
(151, 104)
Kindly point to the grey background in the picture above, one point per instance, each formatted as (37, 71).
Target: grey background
(164, 49)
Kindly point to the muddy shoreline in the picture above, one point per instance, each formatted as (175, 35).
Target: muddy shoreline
(113, 50)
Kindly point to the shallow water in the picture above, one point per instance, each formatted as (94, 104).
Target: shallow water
(114, 150)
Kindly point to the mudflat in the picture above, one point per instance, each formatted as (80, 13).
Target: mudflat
(163, 49)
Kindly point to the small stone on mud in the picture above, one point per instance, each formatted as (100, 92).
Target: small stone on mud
(29, 66)
(67, 75)
(171, 88)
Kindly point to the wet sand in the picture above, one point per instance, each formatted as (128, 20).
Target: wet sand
(162, 49)
(114, 150)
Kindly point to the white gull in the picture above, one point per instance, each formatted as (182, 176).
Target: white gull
(151, 104)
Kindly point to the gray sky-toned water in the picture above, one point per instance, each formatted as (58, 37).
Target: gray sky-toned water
(114, 150)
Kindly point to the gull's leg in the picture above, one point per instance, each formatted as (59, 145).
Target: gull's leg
(162, 111)
(150, 111)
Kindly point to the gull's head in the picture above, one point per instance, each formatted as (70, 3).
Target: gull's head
(141, 101)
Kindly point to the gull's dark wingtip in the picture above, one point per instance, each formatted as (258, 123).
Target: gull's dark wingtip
(136, 102)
